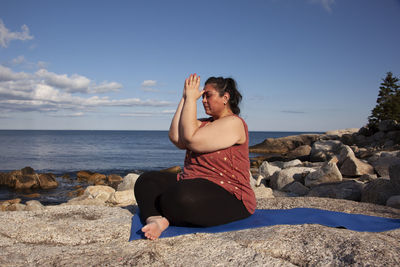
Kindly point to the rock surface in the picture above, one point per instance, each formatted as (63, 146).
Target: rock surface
(98, 236)
(27, 178)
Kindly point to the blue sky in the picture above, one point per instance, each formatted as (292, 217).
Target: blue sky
(301, 65)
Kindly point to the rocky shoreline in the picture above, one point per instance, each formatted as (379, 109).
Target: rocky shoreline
(351, 170)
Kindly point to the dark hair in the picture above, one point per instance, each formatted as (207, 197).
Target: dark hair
(228, 85)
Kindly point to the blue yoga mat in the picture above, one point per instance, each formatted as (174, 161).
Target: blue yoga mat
(262, 218)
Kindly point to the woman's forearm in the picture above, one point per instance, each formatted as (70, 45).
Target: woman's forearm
(188, 122)
(174, 131)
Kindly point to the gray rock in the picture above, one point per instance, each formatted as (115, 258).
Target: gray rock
(336, 134)
(352, 166)
(34, 205)
(296, 188)
(325, 150)
(100, 192)
(266, 169)
(98, 236)
(368, 177)
(301, 152)
(350, 190)
(394, 173)
(365, 131)
(379, 137)
(328, 173)
(378, 191)
(263, 192)
(345, 153)
(361, 140)
(381, 162)
(286, 176)
(287, 164)
(394, 202)
(284, 144)
(122, 198)
(129, 182)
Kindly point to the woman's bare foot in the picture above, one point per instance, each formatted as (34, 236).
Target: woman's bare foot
(155, 225)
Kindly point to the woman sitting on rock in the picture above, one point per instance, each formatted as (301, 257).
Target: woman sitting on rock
(214, 187)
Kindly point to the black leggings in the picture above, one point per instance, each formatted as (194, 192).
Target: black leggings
(192, 202)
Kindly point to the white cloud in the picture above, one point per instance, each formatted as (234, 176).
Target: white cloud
(50, 92)
(326, 4)
(149, 83)
(18, 60)
(74, 83)
(105, 87)
(148, 86)
(6, 36)
(21, 60)
(7, 74)
(71, 115)
(148, 113)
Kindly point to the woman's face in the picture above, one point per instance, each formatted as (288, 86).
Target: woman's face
(213, 103)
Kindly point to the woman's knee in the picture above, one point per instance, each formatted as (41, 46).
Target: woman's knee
(179, 198)
(144, 179)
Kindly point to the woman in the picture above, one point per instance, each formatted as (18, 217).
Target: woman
(214, 187)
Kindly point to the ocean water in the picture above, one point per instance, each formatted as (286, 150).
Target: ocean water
(101, 151)
(106, 152)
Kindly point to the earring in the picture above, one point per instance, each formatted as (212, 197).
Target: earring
(224, 103)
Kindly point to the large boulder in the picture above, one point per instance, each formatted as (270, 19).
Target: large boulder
(328, 173)
(114, 180)
(324, 150)
(284, 144)
(378, 191)
(337, 134)
(381, 161)
(394, 173)
(350, 190)
(91, 177)
(47, 181)
(352, 166)
(301, 152)
(262, 192)
(128, 182)
(100, 192)
(27, 178)
(394, 202)
(122, 198)
(267, 169)
(287, 164)
(26, 181)
(296, 188)
(93, 195)
(33, 205)
(286, 176)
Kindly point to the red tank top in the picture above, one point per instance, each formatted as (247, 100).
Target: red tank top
(228, 168)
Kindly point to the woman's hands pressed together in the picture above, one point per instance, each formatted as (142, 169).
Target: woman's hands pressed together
(191, 90)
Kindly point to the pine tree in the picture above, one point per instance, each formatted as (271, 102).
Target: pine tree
(388, 102)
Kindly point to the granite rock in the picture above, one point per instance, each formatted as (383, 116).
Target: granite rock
(98, 236)
(328, 173)
(394, 202)
(381, 161)
(286, 176)
(378, 191)
(128, 182)
(324, 150)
